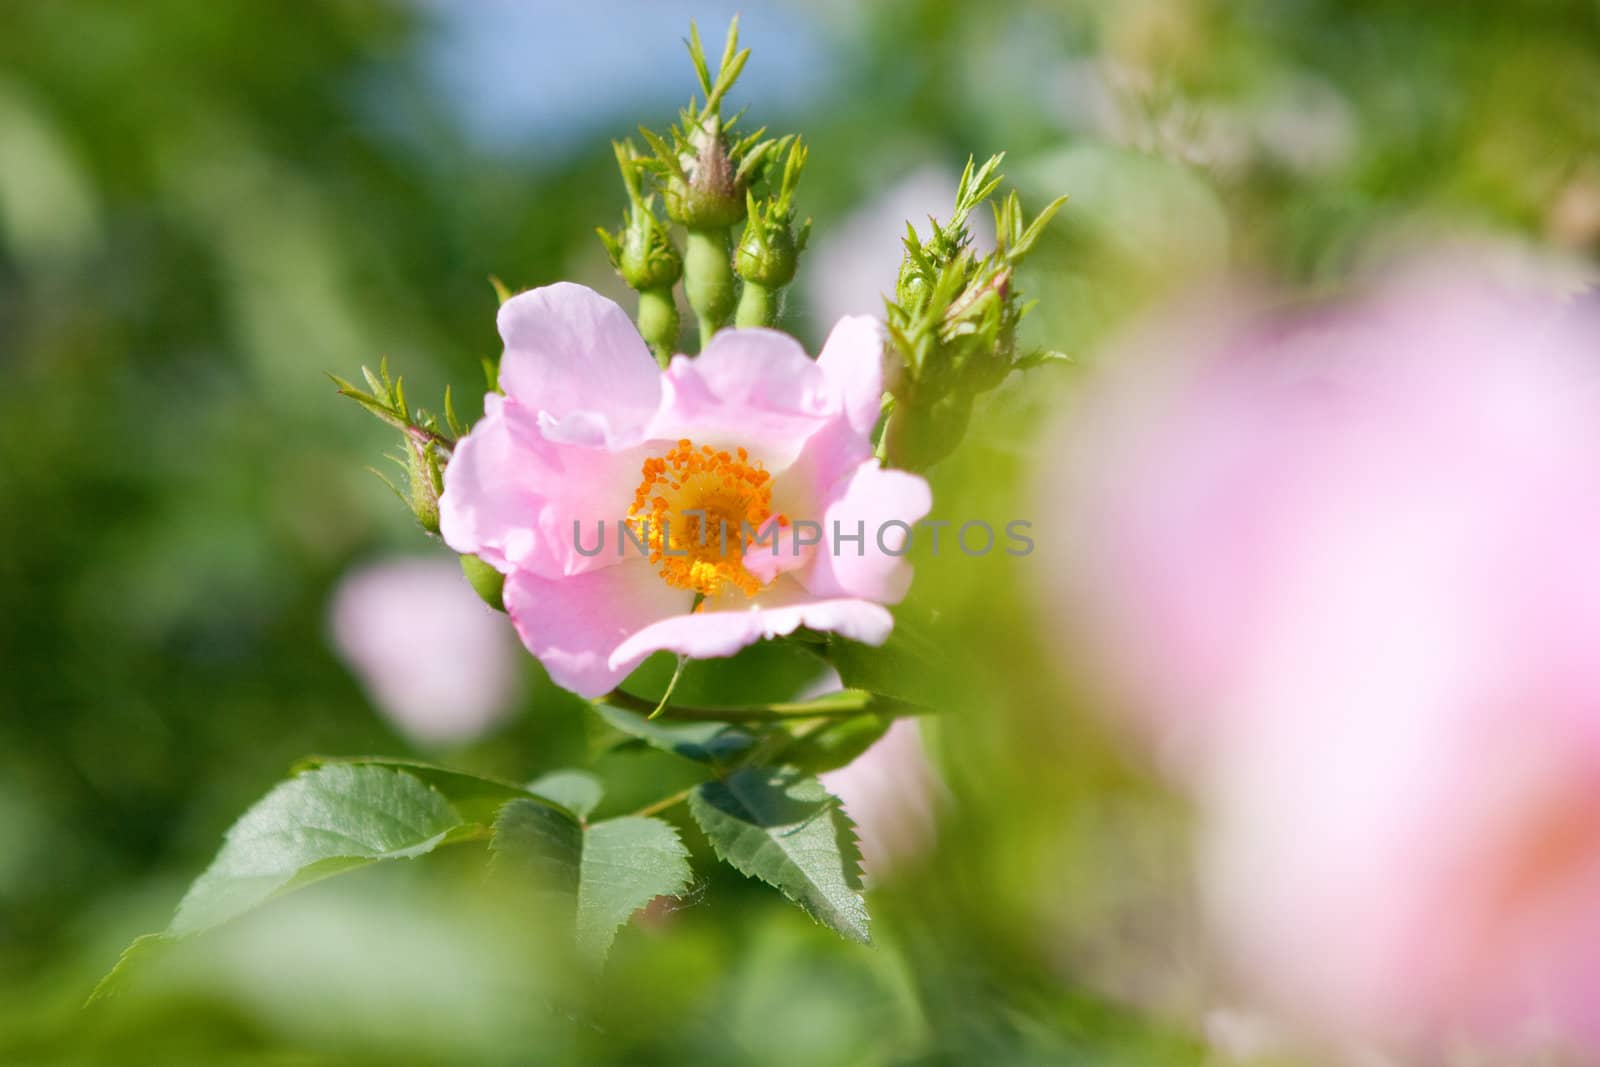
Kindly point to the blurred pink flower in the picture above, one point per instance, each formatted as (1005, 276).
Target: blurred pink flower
(751, 432)
(892, 793)
(1222, 454)
(1346, 568)
(438, 661)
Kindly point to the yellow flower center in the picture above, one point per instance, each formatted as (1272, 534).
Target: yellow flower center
(694, 509)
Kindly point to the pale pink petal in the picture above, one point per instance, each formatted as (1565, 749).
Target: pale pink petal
(511, 496)
(488, 482)
(852, 359)
(780, 610)
(755, 389)
(574, 625)
(1342, 568)
(875, 510)
(569, 351)
(775, 552)
(439, 662)
(801, 492)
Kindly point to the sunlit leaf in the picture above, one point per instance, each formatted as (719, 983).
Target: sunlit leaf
(324, 821)
(477, 797)
(783, 828)
(578, 791)
(604, 872)
(316, 824)
(910, 666)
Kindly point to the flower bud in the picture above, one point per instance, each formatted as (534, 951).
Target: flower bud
(769, 250)
(981, 323)
(708, 190)
(425, 481)
(916, 438)
(767, 255)
(643, 252)
(953, 322)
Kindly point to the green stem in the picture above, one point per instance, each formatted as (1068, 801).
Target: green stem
(658, 322)
(399, 419)
(708, 280)
(758, 306)
(844, 704)
(664, 803)
(677, 673)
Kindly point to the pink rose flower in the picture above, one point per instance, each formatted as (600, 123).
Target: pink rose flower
(1221, 451)
(716, 461)
(436, 660)
(1344, 567)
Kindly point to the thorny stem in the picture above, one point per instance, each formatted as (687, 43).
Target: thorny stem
(423, 435)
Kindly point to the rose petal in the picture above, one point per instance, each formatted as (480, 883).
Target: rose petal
(870, 503)
(575, 624)
(755, 389)
(570, 351)
(801, 493)
(780, 610)
(511, 495)
(852, 359)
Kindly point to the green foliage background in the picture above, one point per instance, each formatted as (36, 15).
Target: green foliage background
(204, 207)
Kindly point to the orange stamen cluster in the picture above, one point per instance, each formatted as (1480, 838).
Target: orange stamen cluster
(707, 550)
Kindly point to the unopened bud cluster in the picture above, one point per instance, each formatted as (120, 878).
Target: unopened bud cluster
(953, 322)
(710, 178)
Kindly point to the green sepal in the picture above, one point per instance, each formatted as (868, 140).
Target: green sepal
(487, 582)
(477, 796)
